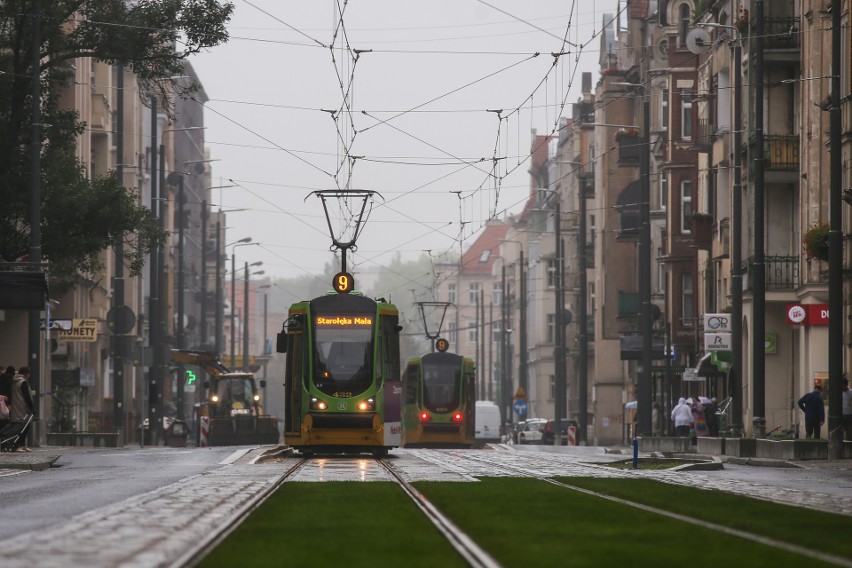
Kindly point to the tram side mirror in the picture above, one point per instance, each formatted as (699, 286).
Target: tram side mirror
(281, 340)
(263, 383)
(207, 384)
(397, 328)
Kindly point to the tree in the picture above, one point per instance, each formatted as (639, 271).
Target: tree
(81, 217)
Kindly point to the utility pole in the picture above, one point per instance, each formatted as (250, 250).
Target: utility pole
(758, 350)
(204, 238)
(559, 332)
(181, 327)
(117, 328)
(217, 340)
(155, 337)
(582, 371)
(522, 348)
(645, 318)
(736, 370)
(34, 316)
(246, 318)
(835, 251)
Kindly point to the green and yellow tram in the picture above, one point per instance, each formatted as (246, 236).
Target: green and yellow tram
(342, 388)
(440, 400)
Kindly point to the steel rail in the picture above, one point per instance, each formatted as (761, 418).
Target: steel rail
(464, 545)
(206, 545)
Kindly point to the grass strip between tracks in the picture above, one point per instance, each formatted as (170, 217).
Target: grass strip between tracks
(352, 524)
(524, 523)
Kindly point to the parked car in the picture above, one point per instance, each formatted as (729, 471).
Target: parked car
(547, 435)
(531, 431)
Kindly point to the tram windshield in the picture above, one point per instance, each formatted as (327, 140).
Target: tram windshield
(343, 362)
(441, 380)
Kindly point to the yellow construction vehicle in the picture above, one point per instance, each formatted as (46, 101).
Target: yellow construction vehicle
(232, 408)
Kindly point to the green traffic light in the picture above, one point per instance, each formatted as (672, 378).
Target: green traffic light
(190, 377)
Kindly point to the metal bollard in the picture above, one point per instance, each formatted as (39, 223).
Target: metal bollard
(635, 453)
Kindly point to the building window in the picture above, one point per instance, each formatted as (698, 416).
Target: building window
(664, 109)
(451, 293)
(551, 328)
(686, 114)
(473, 293)
(664, 191)
(683, 23)
(688, 314)
(661, 273)
(472, 333)
(551, 273)
(497, 293)
(452, 336)
(496, 332)
(552, 394)
(685, 206)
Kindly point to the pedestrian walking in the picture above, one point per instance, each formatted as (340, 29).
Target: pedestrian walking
(682, 418)
(700, 420)
(847, 410)
(22, 402)
(710, 408)
(814, 409)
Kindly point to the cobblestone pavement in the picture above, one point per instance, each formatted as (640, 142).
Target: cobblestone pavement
(159, 527)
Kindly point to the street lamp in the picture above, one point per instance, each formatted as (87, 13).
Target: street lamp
(234, 295)
(736, 234)
(245, 313)
(522, 324)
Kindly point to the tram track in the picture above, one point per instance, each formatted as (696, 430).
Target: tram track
(463, 544)
(206, 544)
(753, 537)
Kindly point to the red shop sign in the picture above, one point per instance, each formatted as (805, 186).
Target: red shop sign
(807, 314)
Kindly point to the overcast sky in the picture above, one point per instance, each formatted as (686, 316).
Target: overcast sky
(294, 109)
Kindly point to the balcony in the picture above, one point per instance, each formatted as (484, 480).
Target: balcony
(781, 273)
(706, 135)
(100, 113)
(781, 152)
(583, 112)
(628, 304)
(781, 33)
(629, 151)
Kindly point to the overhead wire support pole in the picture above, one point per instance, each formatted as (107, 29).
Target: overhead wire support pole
(645, 319)
(835, 249)
(758, 349)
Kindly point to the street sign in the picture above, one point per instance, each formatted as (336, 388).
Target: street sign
(520, 407)
(717, 323)
(57, 324)
(717, 341)
(691, 375)
(81, 330)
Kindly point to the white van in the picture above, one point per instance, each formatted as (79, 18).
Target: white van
(487, 423)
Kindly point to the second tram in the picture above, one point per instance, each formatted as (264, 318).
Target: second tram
(440, 401)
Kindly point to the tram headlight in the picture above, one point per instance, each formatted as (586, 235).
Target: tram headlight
(425, 417)
(458, 416)
(214, 398)
(367, 405)
(257, 398)
(317, 404)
